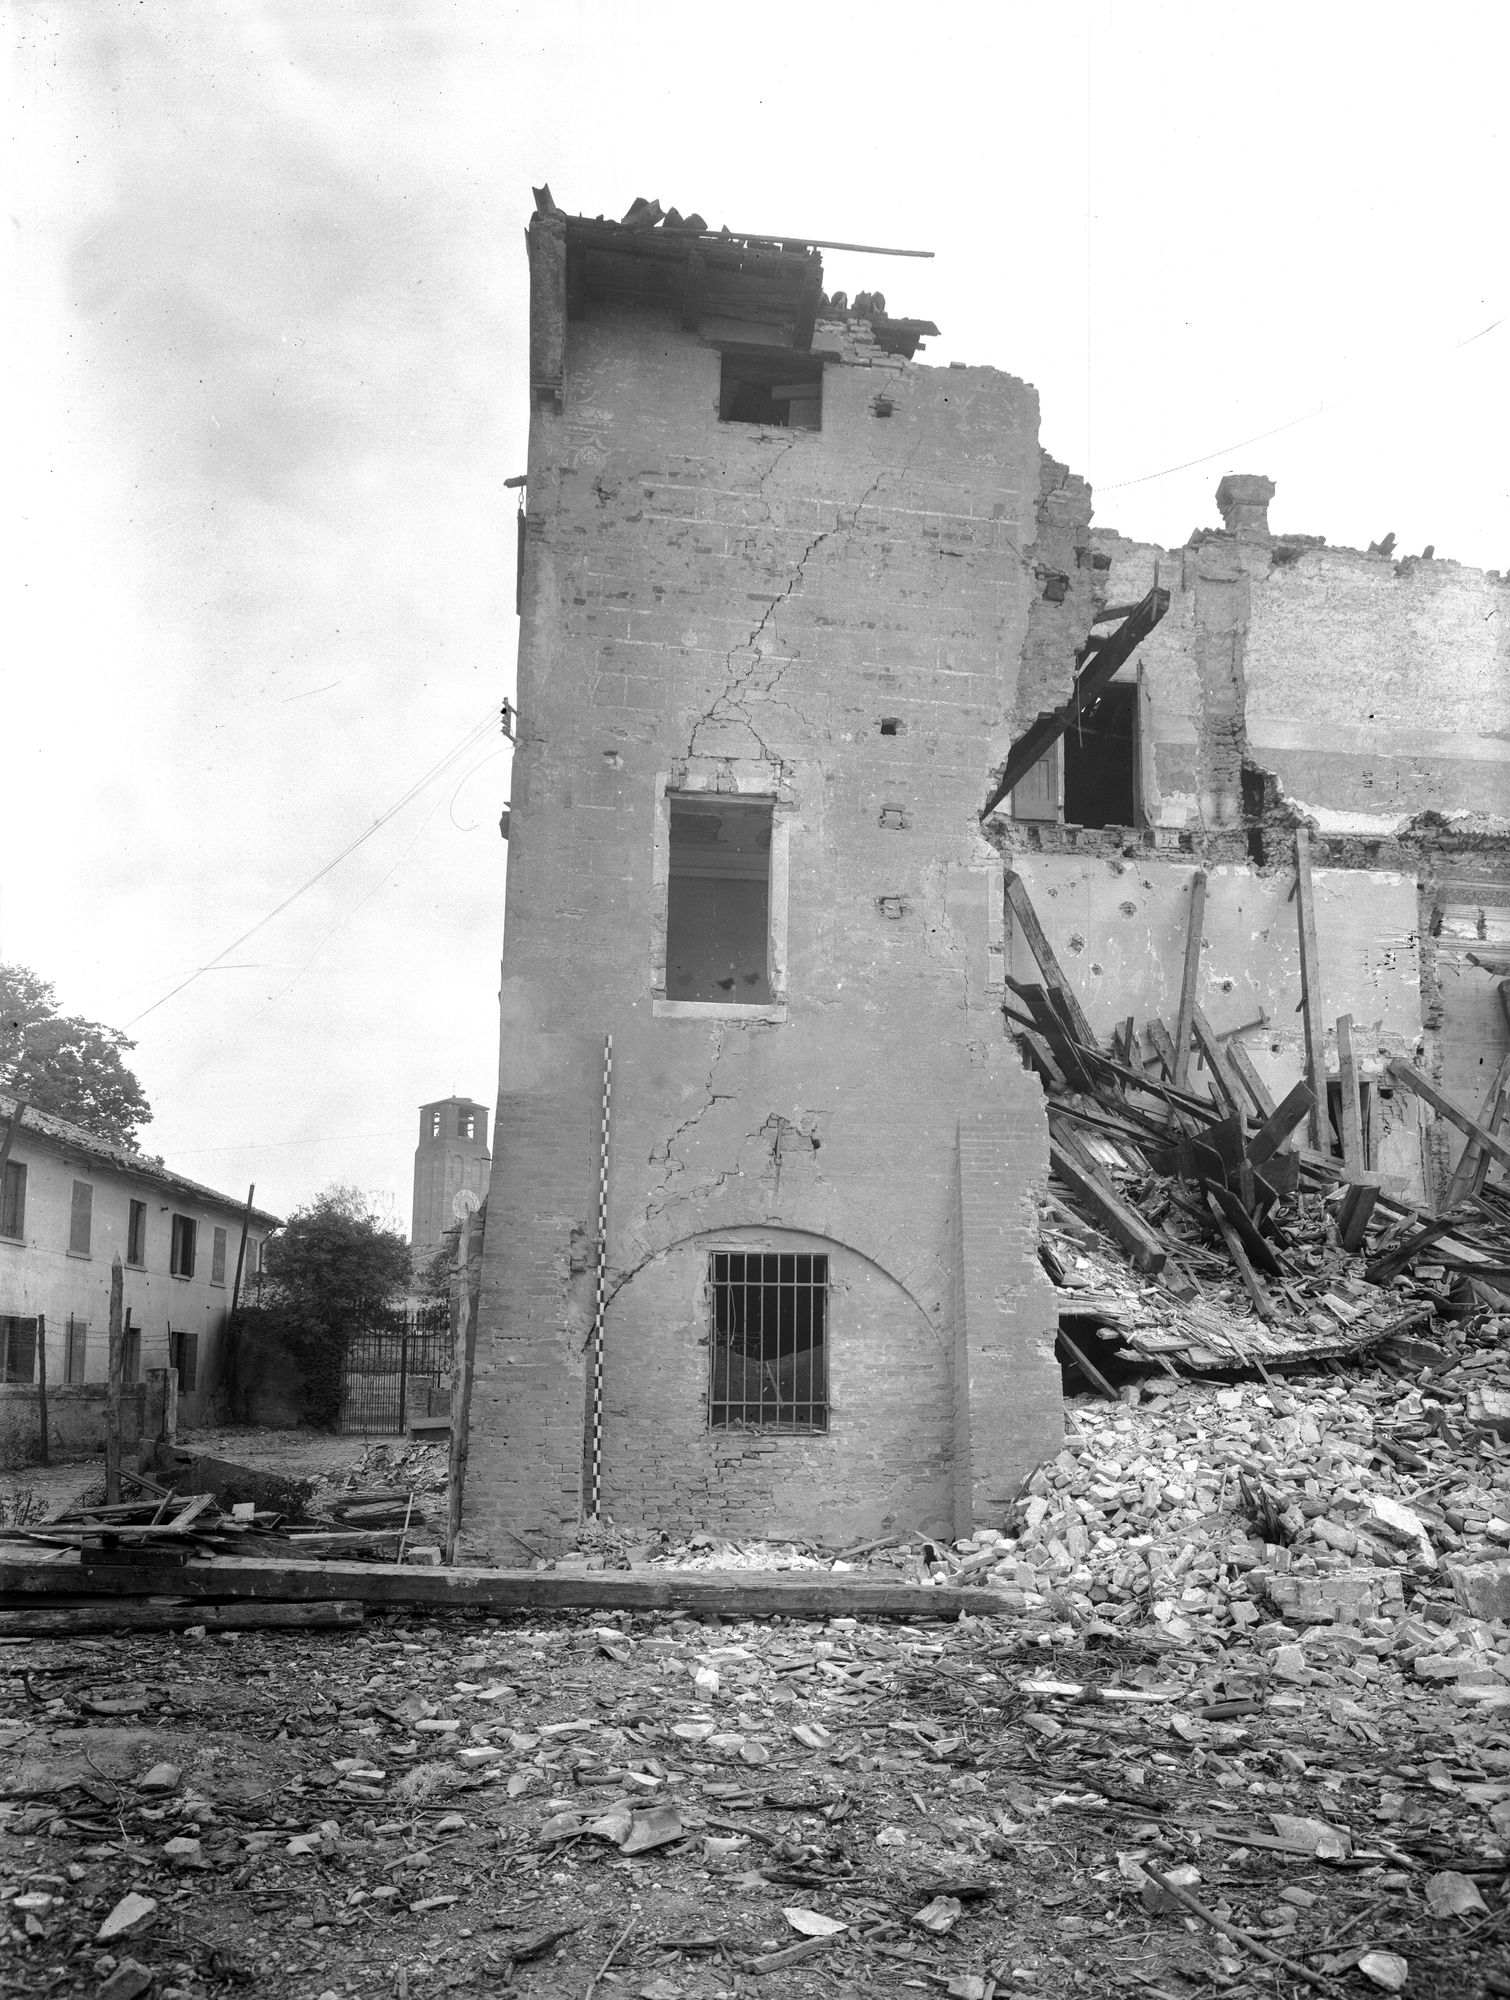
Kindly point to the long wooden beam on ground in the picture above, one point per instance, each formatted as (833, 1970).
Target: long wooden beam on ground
(745, 1593)
(1310, 989)
(113, 1614)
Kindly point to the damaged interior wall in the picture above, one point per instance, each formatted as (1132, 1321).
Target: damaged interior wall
(826, 623)
(1290, 683)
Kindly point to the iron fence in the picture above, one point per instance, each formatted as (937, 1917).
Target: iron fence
(392, 1367)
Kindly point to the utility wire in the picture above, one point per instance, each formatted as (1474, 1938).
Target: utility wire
(473, 736)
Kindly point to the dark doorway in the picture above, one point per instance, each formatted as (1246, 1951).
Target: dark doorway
(1101, 761)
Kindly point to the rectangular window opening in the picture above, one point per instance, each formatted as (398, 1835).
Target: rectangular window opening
(769, 1349)
(181, 1254)
(771, 386)
(183, 1354)
(18, 1349)
(1101, 760)
(718, 899)
(217, 1258)
(136, 1234)
(80, 1219)
(466, 1125)
(13, 1199)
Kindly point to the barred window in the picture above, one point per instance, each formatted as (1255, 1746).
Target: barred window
(769, 1348)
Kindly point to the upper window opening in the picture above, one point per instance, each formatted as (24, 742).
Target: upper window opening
(466, 1125)
(434, 1124)
(181, 1251)
(718, 900)
(13, 1199)
(80, 1219)
(136, 1233)
(771, 387)
(1092, 776)
(891, 725)
(770, 1341)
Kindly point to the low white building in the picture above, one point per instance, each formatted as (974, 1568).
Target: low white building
(71, 1203)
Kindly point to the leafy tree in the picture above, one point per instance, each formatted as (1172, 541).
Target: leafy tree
(432, 1276)
(331, 1271)
(64, 1064)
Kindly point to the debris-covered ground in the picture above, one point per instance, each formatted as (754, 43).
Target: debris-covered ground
(649, 1805)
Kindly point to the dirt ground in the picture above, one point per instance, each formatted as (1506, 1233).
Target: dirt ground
(580, 1805)
(861, 1773)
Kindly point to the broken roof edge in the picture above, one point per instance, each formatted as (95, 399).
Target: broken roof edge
(66, 1136)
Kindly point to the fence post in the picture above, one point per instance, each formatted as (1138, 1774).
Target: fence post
(403, 1376)
(42, 1380)
(117, 1370)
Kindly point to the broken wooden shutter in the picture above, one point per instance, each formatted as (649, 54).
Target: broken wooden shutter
(188, 1372)
(1145, 773)
(76, 1353)
(1041, 791)
(79, 1219)
(13, 1200)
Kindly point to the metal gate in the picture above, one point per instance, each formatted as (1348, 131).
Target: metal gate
(391, 1369)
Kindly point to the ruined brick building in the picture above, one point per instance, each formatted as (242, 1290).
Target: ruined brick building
(789, 598)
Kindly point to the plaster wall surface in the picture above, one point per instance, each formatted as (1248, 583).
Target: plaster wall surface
(1118, 928)
(730, 607)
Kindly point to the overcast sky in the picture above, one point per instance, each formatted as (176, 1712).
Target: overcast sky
(266, 375)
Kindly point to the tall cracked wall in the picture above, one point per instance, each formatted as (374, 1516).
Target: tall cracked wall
(730, 607)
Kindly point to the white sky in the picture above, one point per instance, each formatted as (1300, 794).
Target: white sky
(266, 374)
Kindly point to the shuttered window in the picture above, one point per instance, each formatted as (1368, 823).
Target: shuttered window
(136, 1234)
(80, 1219)
(131, 1353)
(181, 1257)
(18, 1349)
(217, 1258)
(13, 1199)
(76, 1353)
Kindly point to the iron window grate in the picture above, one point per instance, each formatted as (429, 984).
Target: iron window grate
(769, 1365)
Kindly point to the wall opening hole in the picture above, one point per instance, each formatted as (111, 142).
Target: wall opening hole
(891, 725)
(718, 900)
(765, 386)
(769, 1353)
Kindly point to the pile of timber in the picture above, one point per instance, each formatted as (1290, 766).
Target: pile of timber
(164, 1527)
(1244, 1247)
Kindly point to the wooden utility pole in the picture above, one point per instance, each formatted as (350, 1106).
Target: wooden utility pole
(113, 1399)
(246, 1223)
(42, 1380)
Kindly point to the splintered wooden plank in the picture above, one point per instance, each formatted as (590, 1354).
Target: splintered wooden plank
(1278, 1126)
(1357, 1207)
(1218, 1062)
(1122, 1223)
(1189, 978)
(1026, 917)
(1263, 1304)
(1491, 1143)
(1310, 989)
(1469, 1173)
(1243, 1066)
(747, 1593)
(1163, 1047)
(1352, 1106)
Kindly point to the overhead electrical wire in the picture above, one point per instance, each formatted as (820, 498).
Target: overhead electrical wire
(472, 737)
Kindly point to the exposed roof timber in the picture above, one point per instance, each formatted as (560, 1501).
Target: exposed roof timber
(1095, 675)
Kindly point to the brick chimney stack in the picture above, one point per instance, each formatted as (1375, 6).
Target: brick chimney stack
(1243, 498)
